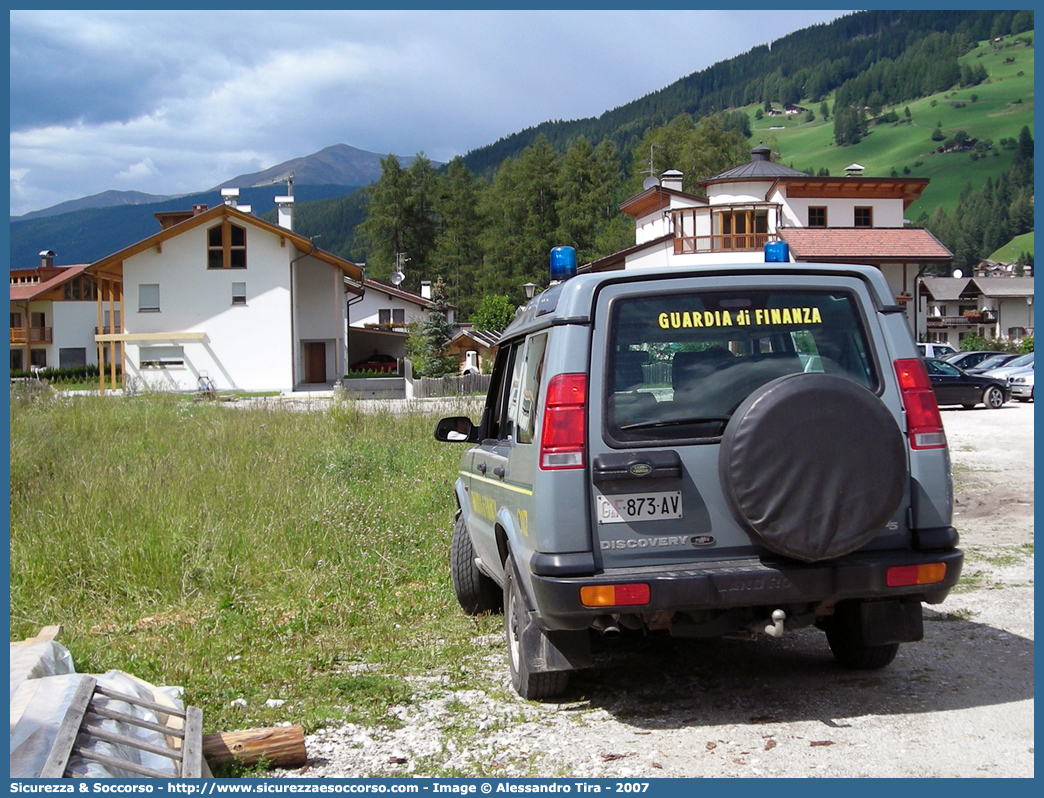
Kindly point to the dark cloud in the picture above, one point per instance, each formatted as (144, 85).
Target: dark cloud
(172, 101)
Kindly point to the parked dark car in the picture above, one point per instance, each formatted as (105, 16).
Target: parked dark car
(968, 360)
(376, 362)
(995, 361)
(955, 387)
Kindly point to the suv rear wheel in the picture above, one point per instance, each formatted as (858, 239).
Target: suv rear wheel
(476, 593)
(516, 617)
(853, 653)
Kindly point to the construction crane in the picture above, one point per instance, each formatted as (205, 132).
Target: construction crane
(286, 177)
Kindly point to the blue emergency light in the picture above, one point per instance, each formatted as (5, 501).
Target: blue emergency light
(777, 252)
(563, 263)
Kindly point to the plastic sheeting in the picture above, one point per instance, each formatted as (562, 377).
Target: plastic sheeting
(43, 682)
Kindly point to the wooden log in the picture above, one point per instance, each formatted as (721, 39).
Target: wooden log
(282, 745)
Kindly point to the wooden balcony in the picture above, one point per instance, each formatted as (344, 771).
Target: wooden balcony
(970, 320)
(730, 242)
(31, 335)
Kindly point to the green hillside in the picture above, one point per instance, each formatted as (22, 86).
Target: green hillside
(996, 109)
(1014, 248)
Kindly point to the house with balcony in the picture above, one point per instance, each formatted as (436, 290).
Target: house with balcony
(380, 319)
(844, 219)
(951, 308)
(219, 293)
(54, 316)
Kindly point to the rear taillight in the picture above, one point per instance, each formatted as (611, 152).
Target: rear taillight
(615, 595)
(906, 575)
(565, 416)
(923, 422)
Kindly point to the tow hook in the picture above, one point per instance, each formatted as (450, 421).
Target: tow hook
(775, 629)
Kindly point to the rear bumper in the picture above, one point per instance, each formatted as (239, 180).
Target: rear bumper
(744, 583)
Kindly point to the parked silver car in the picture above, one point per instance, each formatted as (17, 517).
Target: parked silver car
(1009, 368)
(703, 452)
(1021, 384)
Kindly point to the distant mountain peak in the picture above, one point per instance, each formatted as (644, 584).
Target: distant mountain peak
(338, 164)
(106, 199)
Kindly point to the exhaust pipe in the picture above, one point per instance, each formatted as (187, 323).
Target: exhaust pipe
(607, 625)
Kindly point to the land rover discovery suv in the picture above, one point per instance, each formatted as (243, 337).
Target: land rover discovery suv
(743, 449)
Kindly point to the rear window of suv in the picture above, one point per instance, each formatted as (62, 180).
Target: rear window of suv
(679, 365)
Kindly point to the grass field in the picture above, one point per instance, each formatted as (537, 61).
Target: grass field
(241, 553)
(1010, 251)
(1001, 107)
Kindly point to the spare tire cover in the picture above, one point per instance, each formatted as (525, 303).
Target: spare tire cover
(813, 464)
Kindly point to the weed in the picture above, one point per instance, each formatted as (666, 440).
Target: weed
(246, 553)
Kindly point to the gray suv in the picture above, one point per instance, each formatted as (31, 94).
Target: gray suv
(733, 450)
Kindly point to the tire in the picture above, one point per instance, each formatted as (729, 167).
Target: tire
(993, 397)
(852, 653)
(476, 593)
(534, 686)
(813, 466)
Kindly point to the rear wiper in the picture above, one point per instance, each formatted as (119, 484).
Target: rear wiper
(674, 422)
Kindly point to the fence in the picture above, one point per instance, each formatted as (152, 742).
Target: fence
(427, 387)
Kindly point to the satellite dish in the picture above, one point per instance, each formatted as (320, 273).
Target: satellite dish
(649, 182)
(398, 277)
(957, 273)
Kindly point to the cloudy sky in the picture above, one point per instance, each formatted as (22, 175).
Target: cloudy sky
(168, 102)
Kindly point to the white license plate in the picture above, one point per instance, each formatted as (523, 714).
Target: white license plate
(639, 507)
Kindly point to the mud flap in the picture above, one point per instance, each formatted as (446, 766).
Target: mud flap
(880, 623)
(555, 651)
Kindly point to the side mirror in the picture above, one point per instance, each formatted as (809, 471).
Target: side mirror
(456, 429)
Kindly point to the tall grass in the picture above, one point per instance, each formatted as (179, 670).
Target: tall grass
(242, 553)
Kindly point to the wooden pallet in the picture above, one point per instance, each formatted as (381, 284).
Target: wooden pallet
(81, 724)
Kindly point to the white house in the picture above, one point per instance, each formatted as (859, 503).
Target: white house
(380, 319)
(849, 219)
(220, 293)
(953, 308)
(54, 316)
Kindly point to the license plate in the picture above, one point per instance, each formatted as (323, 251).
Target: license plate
(639, 507)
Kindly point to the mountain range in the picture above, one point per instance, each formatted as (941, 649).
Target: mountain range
(89, 228)
(808, 65)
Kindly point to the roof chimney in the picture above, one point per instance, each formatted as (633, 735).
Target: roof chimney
(198, 209)
(854, 170)
(671, 179)
(47, 257)
(761, 153)
(230, 196)
(426, 289)
(285, 212)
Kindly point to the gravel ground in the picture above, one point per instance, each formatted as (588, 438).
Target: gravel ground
(957, 704)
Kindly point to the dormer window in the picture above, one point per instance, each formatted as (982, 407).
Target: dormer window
(226, 246)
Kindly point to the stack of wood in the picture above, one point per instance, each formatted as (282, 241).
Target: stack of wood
(81, 729)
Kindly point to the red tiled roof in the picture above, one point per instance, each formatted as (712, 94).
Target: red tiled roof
(25, 291)
(873, 245)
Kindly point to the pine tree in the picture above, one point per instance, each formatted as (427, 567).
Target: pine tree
(428, 343)
(458, 253)
(383, 234)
